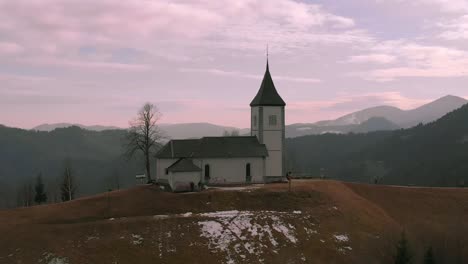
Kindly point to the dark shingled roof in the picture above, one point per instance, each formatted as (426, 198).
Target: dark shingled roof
(267, 95)
(183, 165)
(214, 147)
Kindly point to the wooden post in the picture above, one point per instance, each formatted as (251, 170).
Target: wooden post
(288, 176)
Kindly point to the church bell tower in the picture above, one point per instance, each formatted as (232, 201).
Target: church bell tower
(268, 124)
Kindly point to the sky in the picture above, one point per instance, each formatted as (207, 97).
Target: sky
(97, 62)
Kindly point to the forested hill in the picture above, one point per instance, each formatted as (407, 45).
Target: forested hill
(95, 158)
(435, 154)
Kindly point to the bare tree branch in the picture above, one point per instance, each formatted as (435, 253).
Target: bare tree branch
(144, 135)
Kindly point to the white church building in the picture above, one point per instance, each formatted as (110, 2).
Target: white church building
(258, 158)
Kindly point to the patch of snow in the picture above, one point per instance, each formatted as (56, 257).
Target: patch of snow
(187, 214)
(321, 240)
(331, 132)
(89, 238)
(111, 219)
(303, 128)
(348, 248)
(238, 188)
(341, 238)
(50, 258)
(160, 216)
(310, 231)
(297, 212)
(283, 229)
(239, 232)
(137, 239)
(221, 214)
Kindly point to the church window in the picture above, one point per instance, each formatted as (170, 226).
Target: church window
(167, 171)
(255, 120)
(272, 120)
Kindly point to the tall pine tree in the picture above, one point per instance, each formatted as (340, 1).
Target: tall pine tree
(403, 255)
(41, 196)
(429, 256)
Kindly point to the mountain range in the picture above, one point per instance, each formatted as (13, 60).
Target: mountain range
(368, 120)
(364, 120)
(434, 154)
(50, 127)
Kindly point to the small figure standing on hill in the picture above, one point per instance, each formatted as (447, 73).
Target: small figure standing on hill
(200, 186)
(289, 177)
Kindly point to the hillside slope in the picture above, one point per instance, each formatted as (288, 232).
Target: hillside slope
(96, 160)
(319, 222)
(427, 155)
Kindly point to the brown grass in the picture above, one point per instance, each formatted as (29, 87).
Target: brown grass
(372, 216)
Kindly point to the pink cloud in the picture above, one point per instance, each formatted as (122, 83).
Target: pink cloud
(250, 76)
(9, 48)
(87, 64)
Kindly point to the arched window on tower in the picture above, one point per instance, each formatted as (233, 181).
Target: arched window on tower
(207, 172)
(248, 175)
(272, 120)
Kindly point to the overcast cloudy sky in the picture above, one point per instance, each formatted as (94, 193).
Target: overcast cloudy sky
(97, 62)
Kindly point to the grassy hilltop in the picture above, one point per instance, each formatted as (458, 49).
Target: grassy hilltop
(319, 222)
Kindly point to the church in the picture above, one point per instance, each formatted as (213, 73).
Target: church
(259, 158)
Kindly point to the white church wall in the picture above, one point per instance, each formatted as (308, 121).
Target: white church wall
(180, 181)
(161, 166)
(233, 170)
(274, 164)
(273, 140)
(254, 118)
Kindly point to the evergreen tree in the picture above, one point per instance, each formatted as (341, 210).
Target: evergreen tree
(41, 196)
(403, 255)
(429, 256)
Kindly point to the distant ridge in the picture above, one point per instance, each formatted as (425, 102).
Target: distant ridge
(197, 130)
(389, 118)
(433, 154)
(51, 127)
(401, 118)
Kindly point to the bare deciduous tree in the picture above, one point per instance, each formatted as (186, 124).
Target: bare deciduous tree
(144, 135)
(68, 186)
(25, 194)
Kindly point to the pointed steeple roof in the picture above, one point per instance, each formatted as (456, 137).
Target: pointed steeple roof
(267, 95)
